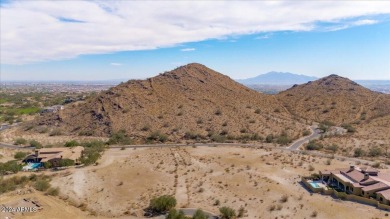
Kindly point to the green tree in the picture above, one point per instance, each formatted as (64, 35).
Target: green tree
(227, 213)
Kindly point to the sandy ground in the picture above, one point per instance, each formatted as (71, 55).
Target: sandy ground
(125, 181)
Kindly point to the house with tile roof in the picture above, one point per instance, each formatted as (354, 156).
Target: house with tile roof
(55, 155)
(366, 182)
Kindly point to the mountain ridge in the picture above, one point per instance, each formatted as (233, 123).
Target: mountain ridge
(277, 78)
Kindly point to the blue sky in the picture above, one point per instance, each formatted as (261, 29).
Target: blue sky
(68, 47)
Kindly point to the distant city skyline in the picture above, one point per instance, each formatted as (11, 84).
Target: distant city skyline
(120, 40)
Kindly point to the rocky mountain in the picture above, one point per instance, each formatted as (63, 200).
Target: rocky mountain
(278, 78)
(190, 102)
(335, 99)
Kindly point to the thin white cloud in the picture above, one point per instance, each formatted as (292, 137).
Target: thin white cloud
(364, 22)
(116, 64)
(349, 24)
(33, 31)
(187, 49)
(263, 37)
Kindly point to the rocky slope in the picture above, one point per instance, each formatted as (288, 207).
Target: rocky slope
(191, 101)
(335, 99)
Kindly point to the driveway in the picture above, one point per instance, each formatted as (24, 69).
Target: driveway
(297, 144)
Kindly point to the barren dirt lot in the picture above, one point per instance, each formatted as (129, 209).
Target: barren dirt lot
(257, 179)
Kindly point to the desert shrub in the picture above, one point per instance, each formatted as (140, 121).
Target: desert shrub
(283, 140)
(36, 144)
(277, 110)
(193, 136)
(12, 183)
(358, 152)
(10, 166)
(66, 162)
(86, 133)
(162, 204)
(20, 141)
(47, 165)
(157, 136)
(145, 128)
(311, 168)
(120, 138)
(55, 132)
(174, 214)
(342, 195)
(218, 112)
(332, 147)
(349, 128)
(71, 143)
(20, 155)
(241, 212)
(224, 132)
(217, 202)
(218, 138)
(227, 213)
(306, 132)
(53, 191)
(257, 111)
(199, 214)
(314, 214)
(376, 165)
(375, 151)
(41, 185)
(269, 138)
(92, 151)
(314, 145)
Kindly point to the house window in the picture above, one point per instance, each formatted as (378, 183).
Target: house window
(362, 192)
(381, 199)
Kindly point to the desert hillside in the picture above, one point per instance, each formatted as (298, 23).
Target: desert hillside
(335, 99)
(190, 102)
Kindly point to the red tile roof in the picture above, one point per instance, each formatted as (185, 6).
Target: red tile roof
(385, 193)
(376, 187)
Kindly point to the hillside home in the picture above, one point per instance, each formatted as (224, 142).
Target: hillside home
(52, 109)
(54, 155)
(366, 182)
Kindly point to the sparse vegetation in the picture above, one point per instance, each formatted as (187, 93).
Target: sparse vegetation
(227, 213)
(10, 166)
(20, 141)
(314, 145)
(20, 155)
(358, 152)
(121, 138)
(162, 204)
(157, 136)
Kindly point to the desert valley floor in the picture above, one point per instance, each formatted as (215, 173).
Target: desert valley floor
(124, 181)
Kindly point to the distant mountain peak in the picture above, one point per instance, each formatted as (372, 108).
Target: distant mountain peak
(278, 78)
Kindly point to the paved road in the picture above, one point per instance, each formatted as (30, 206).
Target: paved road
(315, 134)
(11, 146)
